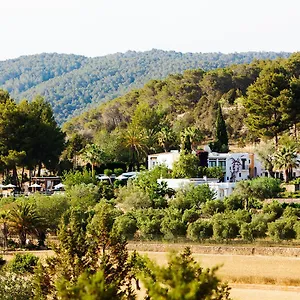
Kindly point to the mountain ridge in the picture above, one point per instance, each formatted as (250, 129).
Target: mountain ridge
(73, 83)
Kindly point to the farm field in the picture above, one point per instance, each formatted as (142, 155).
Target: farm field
(250, 276)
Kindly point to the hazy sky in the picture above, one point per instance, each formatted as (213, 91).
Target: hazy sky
(100, 27)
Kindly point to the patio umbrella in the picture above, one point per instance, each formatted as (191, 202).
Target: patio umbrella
(9, 186)
(35, 185)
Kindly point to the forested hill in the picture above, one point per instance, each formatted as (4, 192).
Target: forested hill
(72, 83)
(257, 99)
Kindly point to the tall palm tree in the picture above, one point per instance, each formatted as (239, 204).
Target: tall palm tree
(135, 140)
(24, 220)
(286, 159)
(165, 138)
(190, 138)
(94, 155)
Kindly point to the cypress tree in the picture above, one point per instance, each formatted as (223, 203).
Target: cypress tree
(221, 141)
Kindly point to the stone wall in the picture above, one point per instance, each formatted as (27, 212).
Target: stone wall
(228, 250)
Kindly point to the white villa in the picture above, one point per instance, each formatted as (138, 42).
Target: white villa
(221, 189)
(236, 166)
(165, 158)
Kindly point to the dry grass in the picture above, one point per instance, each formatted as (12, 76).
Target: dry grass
(246, 269)
(251, 277)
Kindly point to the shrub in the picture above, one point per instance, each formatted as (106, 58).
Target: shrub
(191, 215)
(282, 229)
(172, 225)
(273, 208)
(125, 225)
(23, 263)
(149, 222)
(200, 230)
(118, 171)
(212, 207)
(192, 196)
(108, 172)
(83, 195)
(224, 227)
(15, 286)
(234, 202)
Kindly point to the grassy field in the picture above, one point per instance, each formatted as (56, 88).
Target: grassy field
(250, 276)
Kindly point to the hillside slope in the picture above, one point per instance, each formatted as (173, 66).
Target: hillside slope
(74, 83)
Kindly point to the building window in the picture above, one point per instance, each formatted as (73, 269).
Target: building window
(212, 163)
(243, 163)
(222, 164)
(240, 175)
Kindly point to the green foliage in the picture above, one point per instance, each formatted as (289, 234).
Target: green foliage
(265, 187)
(72, 178)
(297, 230)
(250, 192)
(125, 225)
(190, 215)
(93, 155)
(118, 171)
(15, 286)
(86, 246)
(282, 229)
(149, 222)
(224, 227)
(132, 197)
(200, 230)
(83, 195)
(192, 196)
(90, 287)
(269, 102)
(211, 172)
(186, 166)
(172, 224)
(29, 136)
(147, 181)
(212, 207)
(50, 208)
(285, 159)
(183, 279)
(24, 220)
(106, 190)
(221, 138)
(23, 263)
(108, 172)
(30, 75)
(274, 208)
(234, 202)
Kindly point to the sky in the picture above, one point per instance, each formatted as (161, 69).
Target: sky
(100, 27)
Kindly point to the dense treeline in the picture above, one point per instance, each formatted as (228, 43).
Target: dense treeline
(256, 100)
(71, 83)
(145, 210)
(29, 138)
(91, 260)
